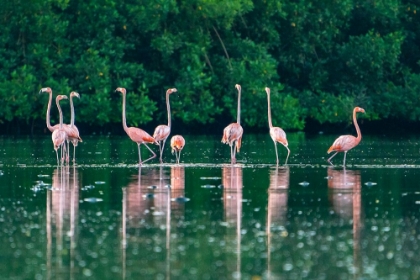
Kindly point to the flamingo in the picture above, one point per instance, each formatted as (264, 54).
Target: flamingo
(59, 135)
(177, 144)
(162, 131)
(276, 133)
(72, 132)
(234, 131)
(136, 134)
(347, 142)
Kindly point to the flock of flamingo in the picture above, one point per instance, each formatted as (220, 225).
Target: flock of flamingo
(62, 133)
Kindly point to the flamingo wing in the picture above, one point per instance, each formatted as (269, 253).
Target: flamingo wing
(278, 135)
(343, 143)
(59, 136)
(161, 132)
(139, 136)
(231, 133)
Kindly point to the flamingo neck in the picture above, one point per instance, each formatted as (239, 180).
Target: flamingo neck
(238, 118)
(48, 112)
(71, 112)
(60, 113)
(269, 110)
(168, 108)
(124, 122)
(356, 125)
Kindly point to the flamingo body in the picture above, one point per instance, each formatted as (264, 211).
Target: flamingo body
(161, 132)
(59, 135)
(345, 143)
(232, 133)
(177, 144)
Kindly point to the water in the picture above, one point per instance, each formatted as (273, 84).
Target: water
(106, 218)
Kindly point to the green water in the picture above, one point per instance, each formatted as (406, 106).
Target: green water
(106, 218)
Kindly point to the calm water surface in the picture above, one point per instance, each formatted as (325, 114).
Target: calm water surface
(106, 218)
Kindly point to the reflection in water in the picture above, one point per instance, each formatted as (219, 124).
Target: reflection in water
(277, 206)
(147, 200)
(62, 210)
(345, 195)
(232, 202)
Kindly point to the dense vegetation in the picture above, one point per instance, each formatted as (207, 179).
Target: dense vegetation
(320, 58)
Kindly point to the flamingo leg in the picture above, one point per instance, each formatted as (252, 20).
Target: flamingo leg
(68, 151)
(153, 156)
(277, 156)
(179, 156)
(138, 148)
(344, 161)
(161, 150)
(58, 162)
(74, 153)
(288, 153)
(329, 160)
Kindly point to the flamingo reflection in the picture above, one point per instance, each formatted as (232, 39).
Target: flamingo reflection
(232, 202)
(62, 211)
(147, 201)
(345, 195)
(277, 206)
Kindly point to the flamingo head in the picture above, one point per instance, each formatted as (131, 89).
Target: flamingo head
(45, 89)
(238, 87)
(60, 97)
(359, 110)
(171, 90)
(73, 93)
(267, 90)
(120, 89)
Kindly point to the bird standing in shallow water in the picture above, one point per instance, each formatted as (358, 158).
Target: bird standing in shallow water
(276, 133)
(232, 134)
(177, 144)
(72, 131)
(136, 134)
(59, 135)
(347, 142)
(162, 131)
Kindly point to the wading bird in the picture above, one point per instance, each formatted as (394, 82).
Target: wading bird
(136, 134)
(59, 135)
(162, 131)
(233, 132)
(347, 142)
(276, 133)
(72, 132)
(177, 144)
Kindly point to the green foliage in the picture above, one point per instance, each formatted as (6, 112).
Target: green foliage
(320, 59)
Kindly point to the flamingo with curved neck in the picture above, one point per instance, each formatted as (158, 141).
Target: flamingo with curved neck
(276, 133)
(136, 134)
(232, 134)
(162, 131)
(346, 142)
(59, 135)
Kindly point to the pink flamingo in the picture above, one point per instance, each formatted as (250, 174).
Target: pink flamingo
(347, 142)
(162, 131)
(59, 135)
(177, 144)
(233, 132)
(71, 129)
(136, 134)
(276, 133)
(72, 132)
